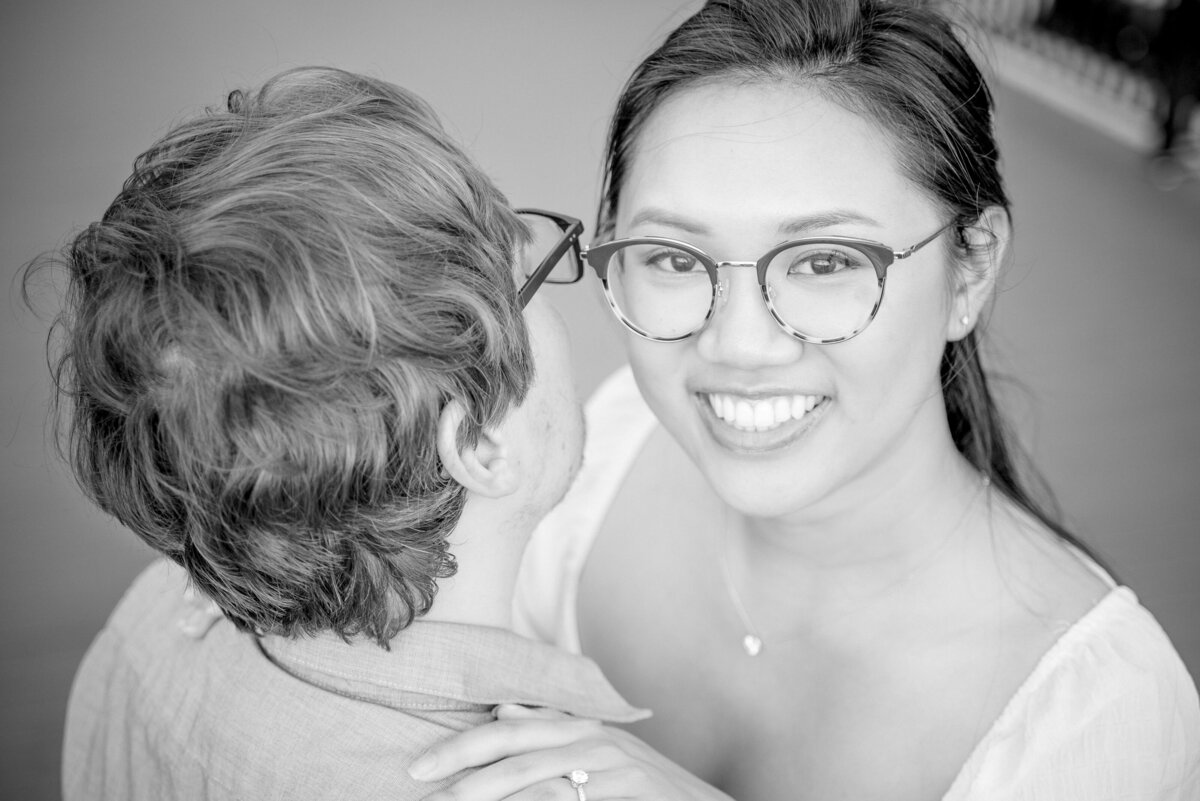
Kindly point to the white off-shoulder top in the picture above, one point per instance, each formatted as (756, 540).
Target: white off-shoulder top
(1109, 713)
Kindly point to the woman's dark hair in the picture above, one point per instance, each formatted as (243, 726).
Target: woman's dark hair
(901, 65)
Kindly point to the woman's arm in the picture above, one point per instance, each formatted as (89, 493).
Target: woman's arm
(528, 753)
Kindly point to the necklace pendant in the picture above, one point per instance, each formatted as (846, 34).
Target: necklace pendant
(751, 645)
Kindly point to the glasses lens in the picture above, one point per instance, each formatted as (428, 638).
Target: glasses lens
(546, 235)
(825, 291)
(663, 291)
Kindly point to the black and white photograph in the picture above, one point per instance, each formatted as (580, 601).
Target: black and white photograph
(677, 400)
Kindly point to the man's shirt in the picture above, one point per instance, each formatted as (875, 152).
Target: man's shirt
(163, 708)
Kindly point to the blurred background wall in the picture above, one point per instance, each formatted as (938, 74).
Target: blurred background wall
(1097, 324)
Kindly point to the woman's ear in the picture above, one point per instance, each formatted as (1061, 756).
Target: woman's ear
(986, 244)
(483, 468)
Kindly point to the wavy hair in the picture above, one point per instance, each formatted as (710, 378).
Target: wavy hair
(259, 336)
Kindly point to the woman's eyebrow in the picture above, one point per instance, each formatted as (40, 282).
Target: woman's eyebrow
(793, 226)
(659, 216)
(811, 222)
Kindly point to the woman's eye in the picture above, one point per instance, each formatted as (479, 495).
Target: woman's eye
(821, 263)
(675, 261)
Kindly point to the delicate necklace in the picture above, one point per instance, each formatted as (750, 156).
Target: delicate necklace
(752, 641)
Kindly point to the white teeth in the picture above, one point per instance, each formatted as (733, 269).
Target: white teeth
(745, 415)
(764, 413)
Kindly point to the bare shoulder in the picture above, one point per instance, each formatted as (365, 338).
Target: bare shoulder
(1052, 583)
(651, 605)
(662, 475)
(659, 517)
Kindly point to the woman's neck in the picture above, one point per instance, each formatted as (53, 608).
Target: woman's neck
(892, 526)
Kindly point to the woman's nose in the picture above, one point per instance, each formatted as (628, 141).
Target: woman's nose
(742, 331)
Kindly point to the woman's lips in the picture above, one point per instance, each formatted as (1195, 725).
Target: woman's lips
(760, 423)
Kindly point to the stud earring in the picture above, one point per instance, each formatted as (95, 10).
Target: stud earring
(966, 320)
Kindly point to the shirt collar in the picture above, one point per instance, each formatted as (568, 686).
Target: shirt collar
(453, 666)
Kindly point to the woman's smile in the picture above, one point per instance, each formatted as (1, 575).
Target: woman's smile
(756, 423)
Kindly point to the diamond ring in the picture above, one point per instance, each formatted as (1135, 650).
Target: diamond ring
(578, 778)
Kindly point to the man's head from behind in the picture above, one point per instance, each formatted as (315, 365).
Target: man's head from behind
(261, 334)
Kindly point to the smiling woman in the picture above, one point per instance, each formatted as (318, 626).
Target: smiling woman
(802, 537)
(879, 404)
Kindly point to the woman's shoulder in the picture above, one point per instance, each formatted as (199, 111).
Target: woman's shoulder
(1119, 650)
(618, 402)
(618, 425)
(1109, 711)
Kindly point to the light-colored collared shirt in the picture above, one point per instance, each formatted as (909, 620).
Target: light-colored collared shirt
(165, 708)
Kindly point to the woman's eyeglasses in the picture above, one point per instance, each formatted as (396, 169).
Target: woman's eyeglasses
(821, 290)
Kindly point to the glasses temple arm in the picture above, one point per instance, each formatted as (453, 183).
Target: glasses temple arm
(904, 254)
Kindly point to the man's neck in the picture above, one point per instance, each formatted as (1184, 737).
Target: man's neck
(488, 544)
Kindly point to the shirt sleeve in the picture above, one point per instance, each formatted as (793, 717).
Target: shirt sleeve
(1113, 716)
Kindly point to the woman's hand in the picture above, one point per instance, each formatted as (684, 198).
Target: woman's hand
(529, 752)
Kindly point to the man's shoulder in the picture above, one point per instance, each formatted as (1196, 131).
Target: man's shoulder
(173, 701)
(161, 592)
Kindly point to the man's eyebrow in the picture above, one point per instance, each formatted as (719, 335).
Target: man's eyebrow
(794, 226)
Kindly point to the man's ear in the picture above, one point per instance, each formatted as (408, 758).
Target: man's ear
(987, 245)
(483, 468)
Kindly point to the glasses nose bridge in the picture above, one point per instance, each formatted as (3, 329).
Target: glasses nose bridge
(741, 327)
(722, 285)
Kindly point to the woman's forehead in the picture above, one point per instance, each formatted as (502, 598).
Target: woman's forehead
(762, 149)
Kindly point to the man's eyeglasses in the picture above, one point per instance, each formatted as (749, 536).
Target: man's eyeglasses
(821, 290)
(555, 237)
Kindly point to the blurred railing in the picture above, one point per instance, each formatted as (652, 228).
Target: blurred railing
(1128, 67)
